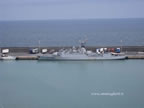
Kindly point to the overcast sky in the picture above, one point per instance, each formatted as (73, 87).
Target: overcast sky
(70, 9)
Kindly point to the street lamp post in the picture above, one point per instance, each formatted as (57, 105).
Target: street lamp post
(121, 45)
(39, 45)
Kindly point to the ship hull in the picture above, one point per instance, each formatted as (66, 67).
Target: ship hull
(59, 58)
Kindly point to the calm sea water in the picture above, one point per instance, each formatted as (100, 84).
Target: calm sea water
(64, 84)
(68, 32)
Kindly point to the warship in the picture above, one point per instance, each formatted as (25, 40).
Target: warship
(80, 54)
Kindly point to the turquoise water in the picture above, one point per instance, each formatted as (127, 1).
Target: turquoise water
(100, 32)
(71, 84)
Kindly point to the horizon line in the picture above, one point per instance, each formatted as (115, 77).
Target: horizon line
(68, 19)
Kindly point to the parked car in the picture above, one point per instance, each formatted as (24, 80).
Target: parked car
(5, 51)
(43, 51)
(34, 51)
(117, 50)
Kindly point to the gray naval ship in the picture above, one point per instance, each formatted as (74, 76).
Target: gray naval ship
(80, 54)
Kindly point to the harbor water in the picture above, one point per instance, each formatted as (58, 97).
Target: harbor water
(72, 84)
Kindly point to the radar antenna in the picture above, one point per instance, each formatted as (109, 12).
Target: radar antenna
(83, 42)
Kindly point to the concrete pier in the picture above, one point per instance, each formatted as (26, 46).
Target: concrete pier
(27, 58)
(22, 53)
(135, 56)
